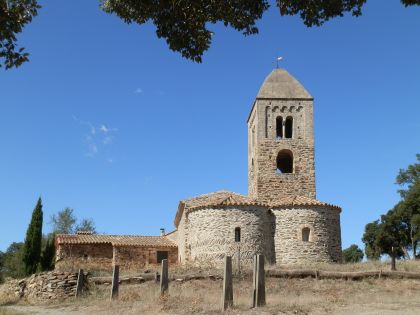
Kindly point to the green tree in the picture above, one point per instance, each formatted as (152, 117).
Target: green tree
(352, 254)
(409, 176)
(409, 211)
(1, 266)
(86, 225)
(391, 238)
(48, 254)
(183, 24)
(64, 221)
(369, 239)
(13, 261)
(32, 244)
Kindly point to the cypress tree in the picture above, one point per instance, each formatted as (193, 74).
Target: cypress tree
(32, 246)
(48, 254)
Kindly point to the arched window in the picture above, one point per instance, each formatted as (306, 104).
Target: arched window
(237, 234)
(305, 234)
(285, 161)
(279, 127)
(289, 127)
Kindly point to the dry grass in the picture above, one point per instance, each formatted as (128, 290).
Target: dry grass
(284, 296)
(4, 311)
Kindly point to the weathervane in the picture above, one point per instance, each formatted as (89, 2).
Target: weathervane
(277, 60)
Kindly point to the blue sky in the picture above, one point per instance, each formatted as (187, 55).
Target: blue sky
(107, 120)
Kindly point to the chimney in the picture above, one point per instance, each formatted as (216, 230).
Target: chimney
(162, 231)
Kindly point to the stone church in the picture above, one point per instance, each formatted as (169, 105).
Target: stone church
(280, 218)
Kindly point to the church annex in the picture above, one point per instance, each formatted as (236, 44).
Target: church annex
(279, 218)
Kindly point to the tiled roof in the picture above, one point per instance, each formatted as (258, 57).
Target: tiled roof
(116, 240)
(300, 201)
(228, 198)
(215, 199)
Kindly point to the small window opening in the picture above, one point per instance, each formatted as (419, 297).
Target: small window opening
(285, 162)
(289, 127)
(85, 256)
(279, 127)
(237, 234)
(161, 255)
(305, 234)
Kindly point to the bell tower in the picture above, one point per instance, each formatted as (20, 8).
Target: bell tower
(281, 140)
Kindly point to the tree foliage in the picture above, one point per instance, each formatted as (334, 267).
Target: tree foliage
(184, 24)
(32, 245)
(1, 266)
(13, 262)
(398, 231)
(369, 237)
(48, 254)
(14, 15)
(352, 254)
(407, 177)
(86, 225)
(65, 222)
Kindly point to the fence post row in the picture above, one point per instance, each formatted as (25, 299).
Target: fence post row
(227, 297)
(164, 279)
(115, 282)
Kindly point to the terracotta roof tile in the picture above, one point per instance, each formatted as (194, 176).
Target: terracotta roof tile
(301, 201)
(228, 198)
(215, 199)
(116, 240)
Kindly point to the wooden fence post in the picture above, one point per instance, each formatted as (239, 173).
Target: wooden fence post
(115, 282)
(227, 297)
(259, 281)
(80, 283)
(254, 282)
(164, 279)
(393, 264)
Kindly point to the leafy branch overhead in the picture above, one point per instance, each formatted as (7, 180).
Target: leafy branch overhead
(14, 15)
(182, 23)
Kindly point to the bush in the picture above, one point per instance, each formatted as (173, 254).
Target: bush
(352, 254)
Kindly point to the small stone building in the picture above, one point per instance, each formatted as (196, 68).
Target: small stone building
(280, 218)
(99, 252)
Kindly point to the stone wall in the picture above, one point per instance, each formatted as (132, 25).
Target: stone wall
(324, 243)
(71, 257)
(45, 286)
(263, 181)
(210, 234)
(183, 228)
(136, 258)
(101, 257)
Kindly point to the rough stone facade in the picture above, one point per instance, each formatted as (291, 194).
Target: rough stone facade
(324, 244)
(211, 240)
(264, 144)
